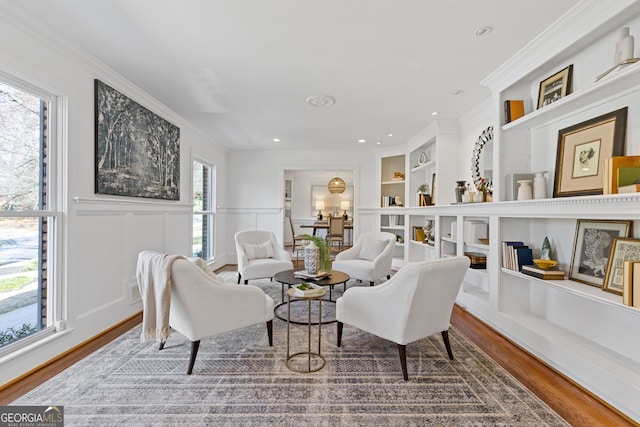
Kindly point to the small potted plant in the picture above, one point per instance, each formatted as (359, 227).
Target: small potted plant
(424, 199)
(324, 252)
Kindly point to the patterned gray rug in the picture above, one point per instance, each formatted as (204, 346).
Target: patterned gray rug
(238, 380)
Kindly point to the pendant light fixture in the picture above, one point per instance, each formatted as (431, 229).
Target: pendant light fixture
(337, 185)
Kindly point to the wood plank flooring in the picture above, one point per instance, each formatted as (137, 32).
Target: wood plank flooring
(574, 404)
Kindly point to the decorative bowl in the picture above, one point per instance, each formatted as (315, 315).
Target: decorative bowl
(545, 263)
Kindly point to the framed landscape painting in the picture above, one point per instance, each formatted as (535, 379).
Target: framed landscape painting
(137, 152)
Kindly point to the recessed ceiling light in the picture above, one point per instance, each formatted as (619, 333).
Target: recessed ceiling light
(378, 143)
(435, 113)
(390, 134)
(362, 141)
(483, 31)
(276, 139)
(320, 100)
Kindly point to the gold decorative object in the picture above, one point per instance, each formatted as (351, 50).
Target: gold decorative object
(337, 185)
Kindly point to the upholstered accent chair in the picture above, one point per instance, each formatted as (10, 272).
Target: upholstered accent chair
(369, 259)
(203, 305)
(259, 255)
(415, 303)
(336, 231)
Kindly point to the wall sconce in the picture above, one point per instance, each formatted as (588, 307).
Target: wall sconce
(319, 208)
(345, 205)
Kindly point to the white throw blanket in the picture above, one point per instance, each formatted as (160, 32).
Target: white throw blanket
(154, 281)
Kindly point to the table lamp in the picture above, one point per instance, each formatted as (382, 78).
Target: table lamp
(319, 208)
(345, 205)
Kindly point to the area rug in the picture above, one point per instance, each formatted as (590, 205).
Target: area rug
(238, 380)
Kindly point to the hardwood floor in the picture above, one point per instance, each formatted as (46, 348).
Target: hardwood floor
(574, 404)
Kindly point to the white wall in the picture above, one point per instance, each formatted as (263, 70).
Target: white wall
(100, 235)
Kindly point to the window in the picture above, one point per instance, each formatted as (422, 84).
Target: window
(203, 215)
(27, 222)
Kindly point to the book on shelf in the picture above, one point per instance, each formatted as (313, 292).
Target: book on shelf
(539, 273)
(524, 256)
(303, 274)
(513, 110)
(636, 286)
(308, 290)
(620, 171)
(631, 283)
(631, 188)
(506, 252)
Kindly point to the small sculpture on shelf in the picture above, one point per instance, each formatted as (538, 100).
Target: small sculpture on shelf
(460, 190)
(429, 238)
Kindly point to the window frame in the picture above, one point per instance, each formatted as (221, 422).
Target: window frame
(54, 200)
(210, 212)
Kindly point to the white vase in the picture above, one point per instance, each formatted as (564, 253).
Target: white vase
(540, 185)
(524, 191)
(311, 258)
(624, 46)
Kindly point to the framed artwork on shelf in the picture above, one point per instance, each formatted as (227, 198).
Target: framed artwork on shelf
(555, 87)
(622, 249)
(591, 246)
(581, 150)
(433, 189)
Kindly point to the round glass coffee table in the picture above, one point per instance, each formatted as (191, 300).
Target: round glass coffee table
(287, 278)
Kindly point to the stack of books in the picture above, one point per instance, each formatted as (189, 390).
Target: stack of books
(304, 274)
(548, 274)
(307, 290)
(631, 283)
(516, 254)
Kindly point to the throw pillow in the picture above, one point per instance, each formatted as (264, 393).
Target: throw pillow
(371, 248)
(260, 251)
(203, 265)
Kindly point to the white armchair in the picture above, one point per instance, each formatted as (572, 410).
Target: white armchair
(259, 255)
(369, 259)
(203, 305)
(414, 304)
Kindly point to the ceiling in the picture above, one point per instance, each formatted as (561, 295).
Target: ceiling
(242, 70)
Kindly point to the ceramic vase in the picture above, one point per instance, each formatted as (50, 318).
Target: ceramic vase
(540, 185)
(460, 189)
(624, 46)
(524, 191)
(546, 249)
(312, 258)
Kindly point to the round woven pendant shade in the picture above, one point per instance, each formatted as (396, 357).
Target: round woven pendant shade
(337, 185)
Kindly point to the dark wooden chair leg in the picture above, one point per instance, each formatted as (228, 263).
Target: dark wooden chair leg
(402, 351)
(445, 338)
(370, 283)
(270, 332)
(340, 326)
(246, 282)
(239, 277)
(195, 345)
(162, 344)
(388, 276)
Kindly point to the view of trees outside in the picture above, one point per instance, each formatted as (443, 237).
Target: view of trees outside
(20, 123)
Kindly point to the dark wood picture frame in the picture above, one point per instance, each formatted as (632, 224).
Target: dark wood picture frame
(555, 87)
(581, 150)
(137, 152)
(622, 249)
(591, 247)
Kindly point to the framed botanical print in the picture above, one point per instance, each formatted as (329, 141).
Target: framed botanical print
(622, 249)
(591, 247)
(581, 150)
